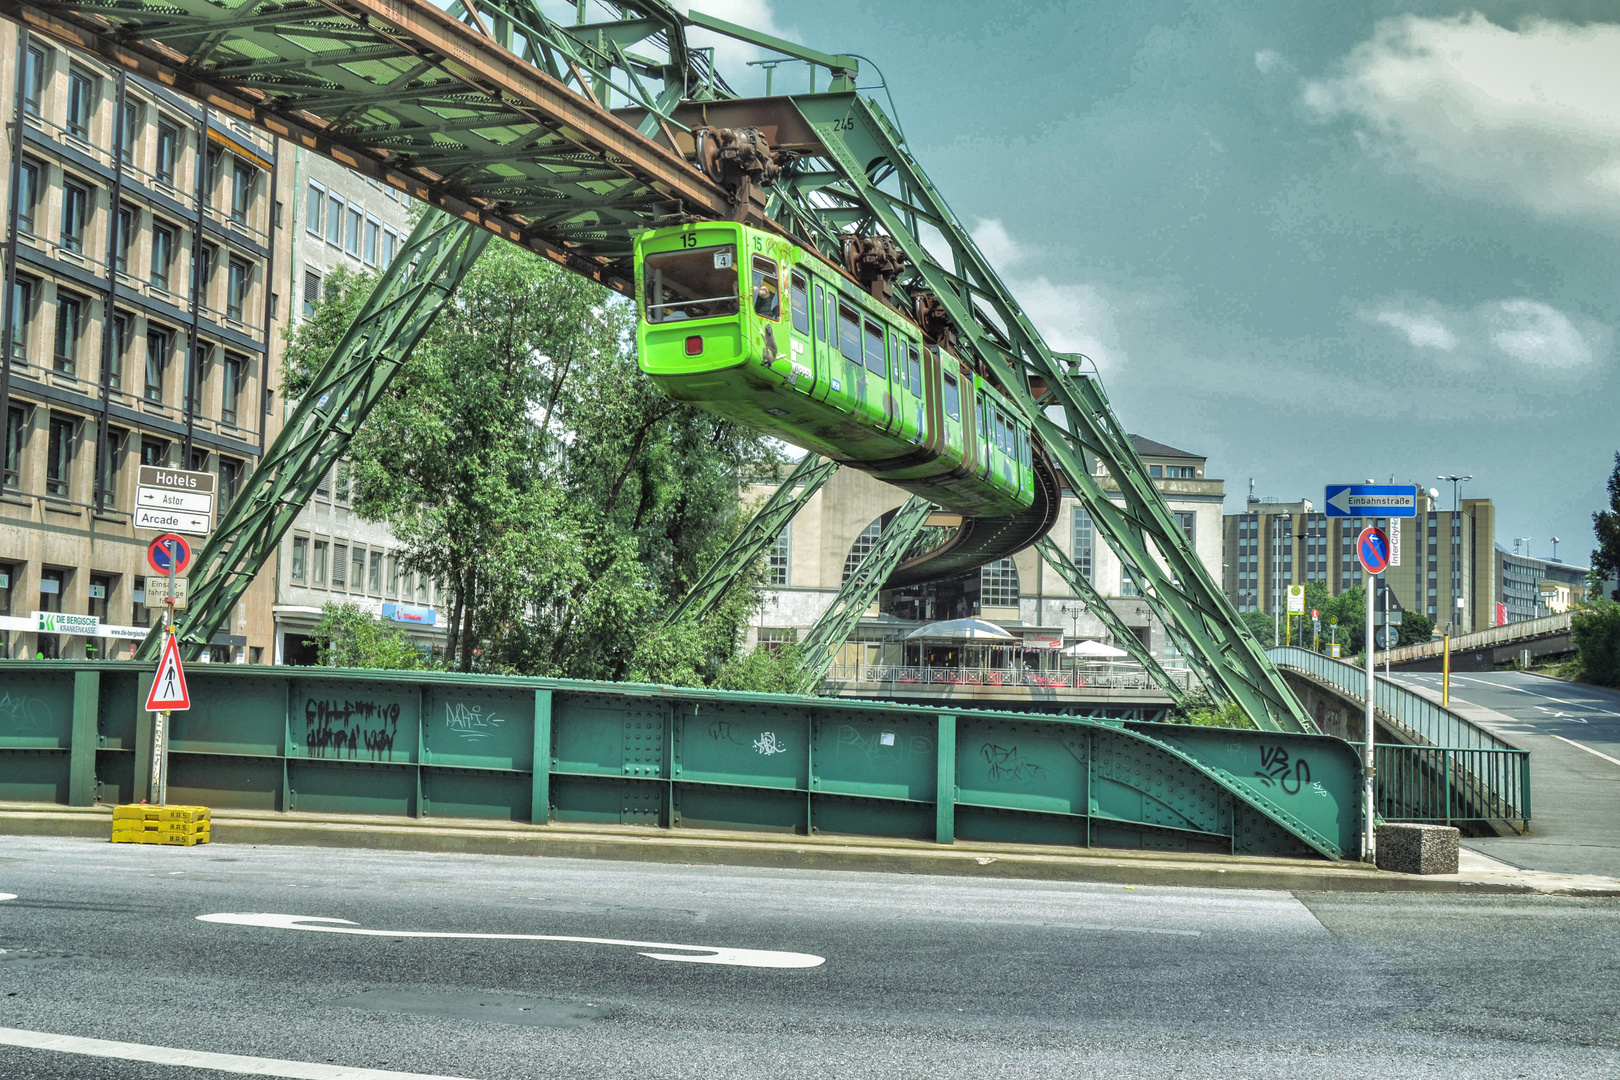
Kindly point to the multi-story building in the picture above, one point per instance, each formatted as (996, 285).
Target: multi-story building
(341, 221)
(142, 296)
(1530, 588)
(1446, 556)
(827, 539)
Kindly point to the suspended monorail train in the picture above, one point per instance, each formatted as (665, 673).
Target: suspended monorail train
(748, 325)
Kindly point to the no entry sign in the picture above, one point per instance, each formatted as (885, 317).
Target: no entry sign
(1372, 547)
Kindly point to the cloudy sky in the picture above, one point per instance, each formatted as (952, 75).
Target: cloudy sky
(1316, 242)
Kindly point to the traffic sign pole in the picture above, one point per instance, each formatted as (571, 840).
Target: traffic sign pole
(1367, 850)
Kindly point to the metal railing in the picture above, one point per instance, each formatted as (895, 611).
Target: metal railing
(1458, 771)
(1447, 784)
(1493, 637)
(1090, 676)
(1417, 714)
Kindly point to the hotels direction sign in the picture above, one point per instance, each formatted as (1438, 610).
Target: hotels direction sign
(175, 500)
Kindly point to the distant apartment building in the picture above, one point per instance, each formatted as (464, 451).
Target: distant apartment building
(342, 220)
(829, 537)
(1444, 556)
(145, 280)
(1531, 588)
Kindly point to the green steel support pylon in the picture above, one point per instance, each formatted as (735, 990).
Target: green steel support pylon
(411, 293)
(863, 586)
(1095, 604)
(759, 534)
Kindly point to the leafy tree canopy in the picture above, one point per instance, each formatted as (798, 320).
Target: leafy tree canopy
(1606, 524)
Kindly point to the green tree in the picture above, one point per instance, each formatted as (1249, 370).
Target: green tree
(1416, 628)
(1201, 710)
(1595, 631)
(1606, 524)
(349, 637)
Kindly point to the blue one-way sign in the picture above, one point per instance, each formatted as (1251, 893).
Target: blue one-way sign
(1372, 500)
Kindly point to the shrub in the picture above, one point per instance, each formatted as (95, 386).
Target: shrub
(1595, 631)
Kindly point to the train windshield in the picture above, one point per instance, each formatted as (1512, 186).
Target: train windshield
(700, 283)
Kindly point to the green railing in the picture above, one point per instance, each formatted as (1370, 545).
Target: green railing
(1448, 784)
(537, 750)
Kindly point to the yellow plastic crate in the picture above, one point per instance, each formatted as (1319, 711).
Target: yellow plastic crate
(152, 836)
(146, 812)
(160, 826)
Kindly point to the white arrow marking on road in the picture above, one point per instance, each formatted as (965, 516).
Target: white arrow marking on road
(762, 958)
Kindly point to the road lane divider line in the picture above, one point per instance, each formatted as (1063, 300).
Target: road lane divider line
(201, 1059)
(8, 896)
(713, 954)
(1588, 749)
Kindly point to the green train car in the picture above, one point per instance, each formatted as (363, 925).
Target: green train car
(752, 327)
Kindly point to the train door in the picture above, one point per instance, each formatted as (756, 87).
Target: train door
(877, 400)
(852, 374)
(950, 411)
(825, 344)
(802, 375)
(914, 379)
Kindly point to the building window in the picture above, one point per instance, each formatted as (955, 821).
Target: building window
(168, 152)
(69, 322)
(22, 305)
(157, 361)
(205, 271)
(236, 288)
(112, 460)
(778, 561)
(374, 574)
(33, 80)
(1180, 472)
(340, 565)
(357, 569)
(998, 584)
(27, 195)
(154, 452)
(101, 587)
(312, 292)
(313, 204)
(129, 123)
(75, 214)
(1188, 520)
(317, 565)
(390, 241)
(334, 220)
(242, 180)
(862, 547)
(300, 557)
(59, 456)
(1127, 583)
(126, 231)
(230, 478)
(373, 232)
(51, 587)
(81, 103)
(393, 573)
(351, 235)
(235, 375)
(422, 588)
(14, 445)
(162, 255)
(1080, 544)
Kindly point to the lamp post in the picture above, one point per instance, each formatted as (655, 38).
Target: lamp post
(1456, 548)
(1555, 549)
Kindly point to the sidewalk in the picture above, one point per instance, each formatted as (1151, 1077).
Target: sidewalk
(1480, 874)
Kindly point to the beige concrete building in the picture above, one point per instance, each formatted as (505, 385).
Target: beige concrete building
(827, 539)
(114, 358)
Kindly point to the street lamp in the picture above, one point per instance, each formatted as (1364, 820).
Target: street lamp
(1555, 549)
(1456, 547)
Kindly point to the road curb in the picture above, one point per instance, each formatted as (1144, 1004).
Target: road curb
(801, 853)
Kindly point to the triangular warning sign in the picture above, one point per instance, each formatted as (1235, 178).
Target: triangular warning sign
(169, 693)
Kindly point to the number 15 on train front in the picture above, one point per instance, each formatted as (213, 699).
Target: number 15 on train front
(169, 693)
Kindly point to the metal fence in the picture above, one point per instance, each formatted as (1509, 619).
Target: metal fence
(1455, 771)
(1493, 637)
(1086, 676)
(1445, 784)
(419, 744)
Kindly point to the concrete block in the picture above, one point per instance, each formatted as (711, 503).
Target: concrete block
(1417, 849)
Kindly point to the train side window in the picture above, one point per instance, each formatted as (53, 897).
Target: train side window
(821, 313)
(849, 333)
(767, 289)
(953, 398)
(897, 351)
(874, 350)
(800, 299)
(914, 366)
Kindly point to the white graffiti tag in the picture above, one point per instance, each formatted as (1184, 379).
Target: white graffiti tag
(766, 744)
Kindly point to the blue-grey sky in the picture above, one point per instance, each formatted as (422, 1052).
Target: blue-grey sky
(1315, 242)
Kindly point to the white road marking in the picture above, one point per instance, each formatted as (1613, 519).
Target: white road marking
(1588, 749)
(762, 958)
(8, 896)
(201, 1059)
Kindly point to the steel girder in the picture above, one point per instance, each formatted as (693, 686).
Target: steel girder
(410, 294)
(889, 192)
(759, 534)
(1070, 573)
(857, 594)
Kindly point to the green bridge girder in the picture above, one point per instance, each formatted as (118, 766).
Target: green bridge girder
(521, 143)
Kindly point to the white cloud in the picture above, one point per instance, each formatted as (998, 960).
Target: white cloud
(1525, 116)
(1497, 334)
(1267, 60)
(732, 56)
(997, 245)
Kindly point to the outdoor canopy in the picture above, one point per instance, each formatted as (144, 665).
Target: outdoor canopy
(961, 630)
(1094, 648)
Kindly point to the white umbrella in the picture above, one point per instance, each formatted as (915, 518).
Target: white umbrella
(1093, 648)
(960, 630)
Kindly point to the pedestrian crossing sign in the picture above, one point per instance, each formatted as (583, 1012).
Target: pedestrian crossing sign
(169, 693)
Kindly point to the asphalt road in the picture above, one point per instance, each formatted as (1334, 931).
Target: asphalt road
(1573, 734)
(919, 976)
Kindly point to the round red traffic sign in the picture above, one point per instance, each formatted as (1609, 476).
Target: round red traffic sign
(157, 553)
(1372, 548)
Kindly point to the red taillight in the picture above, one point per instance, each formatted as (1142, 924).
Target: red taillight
(694, 345)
